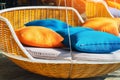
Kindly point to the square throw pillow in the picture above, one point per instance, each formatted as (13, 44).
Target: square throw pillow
(114, 4)
(53, 24)
(109, 25)
(66, 33)
(95, 42)
(39, 37)
(91, 41)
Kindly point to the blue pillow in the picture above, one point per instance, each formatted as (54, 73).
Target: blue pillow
(53, 24)
(95, 42)
(65, 33)
(92, 41)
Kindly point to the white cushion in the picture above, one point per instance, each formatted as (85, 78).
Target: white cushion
(114, 56)
(49, 53)
(64, 54)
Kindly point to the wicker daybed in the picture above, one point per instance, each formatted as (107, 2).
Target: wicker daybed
(15, 18)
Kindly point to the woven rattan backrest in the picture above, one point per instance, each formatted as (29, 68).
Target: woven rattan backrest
(19, 17)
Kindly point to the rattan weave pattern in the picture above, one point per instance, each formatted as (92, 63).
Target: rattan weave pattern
(7, 42)
(19, 17)
(50, 70)
(58, 69)
(97, 9)
(62, 70)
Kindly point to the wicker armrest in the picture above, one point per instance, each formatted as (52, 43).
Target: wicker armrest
(9, 42)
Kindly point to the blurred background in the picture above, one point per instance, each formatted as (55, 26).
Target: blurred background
(14, 3)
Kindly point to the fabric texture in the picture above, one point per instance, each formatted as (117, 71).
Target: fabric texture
(39, 37)
(64, 54)
(113, 4)
(113, 56)
(117, 1)
(66, 33)
(95, 42)
(49, 53)
(91, 41)
(53, 24)
(109, 25)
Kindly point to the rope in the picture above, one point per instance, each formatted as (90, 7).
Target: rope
(59, 3)
(68, 28)
(71, 66)
(73, 13)
(60, 9)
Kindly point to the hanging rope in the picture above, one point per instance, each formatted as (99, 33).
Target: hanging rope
(72, 13)
(68, 27)
(59, 3)
(71, 66)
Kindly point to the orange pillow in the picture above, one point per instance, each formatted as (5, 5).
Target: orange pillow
(118, 1)
(39, 37)
(109, 25)
(113, 4)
